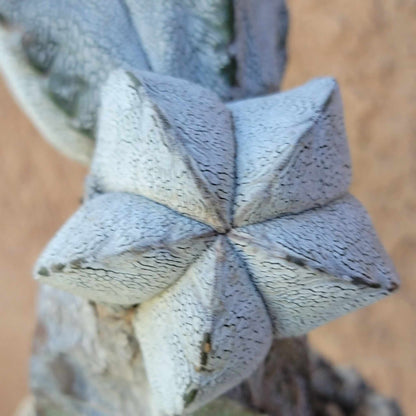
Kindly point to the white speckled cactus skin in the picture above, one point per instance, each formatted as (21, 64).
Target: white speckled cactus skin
(56, 54)
(263, 241)
(209, 227)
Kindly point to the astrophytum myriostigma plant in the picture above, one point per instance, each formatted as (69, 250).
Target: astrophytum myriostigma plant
(229, 224)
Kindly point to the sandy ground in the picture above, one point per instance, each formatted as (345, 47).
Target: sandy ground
(369, 46)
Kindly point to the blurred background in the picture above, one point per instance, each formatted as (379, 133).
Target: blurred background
(370, 47)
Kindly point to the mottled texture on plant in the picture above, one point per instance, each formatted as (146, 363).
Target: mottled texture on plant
(209, 230)
(229, 224)
(56, 54)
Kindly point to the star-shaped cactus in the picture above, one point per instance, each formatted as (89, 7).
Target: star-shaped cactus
(228, 224)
